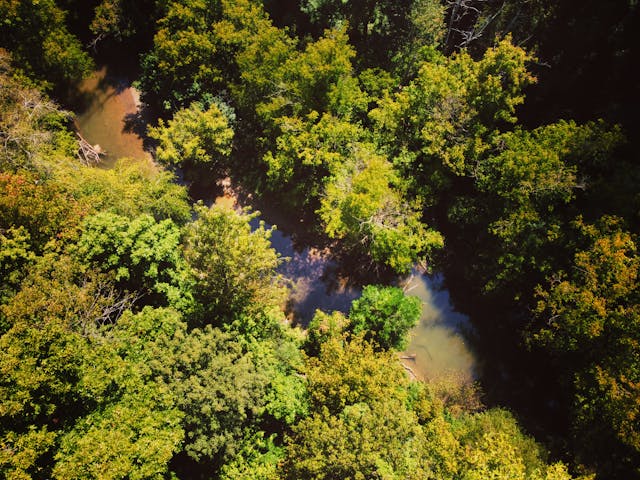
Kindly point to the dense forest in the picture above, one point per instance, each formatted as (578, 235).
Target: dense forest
(143, 333)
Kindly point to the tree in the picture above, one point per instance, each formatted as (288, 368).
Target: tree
(173, 73)
(424, 30)
(142, 255)
(43, 209)
(260, 50)
(494, 447)
(381, 31)
(349, 373)
(195, 138)
(258, 457)
(134, 438)
(32, 127)
(20, 453)
(446, 117)
(279, 357)
(384, 315)
(361, 424)
(130, 189)
(590, 320)
(307, 151)
(310, 77)
(132, 427)
(46, 355)
(527, 193)
(36, 34)
(377, 440)
(362, 206)
(16, 257)
(233, 267)
(591, 56)
(322, 328)
(120, 20)
(219, 389)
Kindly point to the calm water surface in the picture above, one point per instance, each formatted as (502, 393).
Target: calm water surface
(441, 342)
(107, 115)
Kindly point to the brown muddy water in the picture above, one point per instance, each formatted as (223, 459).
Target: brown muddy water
(107, 114)
(441, 342)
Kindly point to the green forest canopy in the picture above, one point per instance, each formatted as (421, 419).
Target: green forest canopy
(144, 337)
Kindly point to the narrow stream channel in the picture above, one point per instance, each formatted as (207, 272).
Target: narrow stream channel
(107, 114)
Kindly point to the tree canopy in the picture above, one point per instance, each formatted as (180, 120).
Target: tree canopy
(144, 334)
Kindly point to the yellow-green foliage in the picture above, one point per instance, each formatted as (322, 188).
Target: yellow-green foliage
(194, 137)
(32, 127)
(594, 312)
(233, 267)
(130, 189)
(454, 105)
(363, 205)
(36, 33)
(368, 421)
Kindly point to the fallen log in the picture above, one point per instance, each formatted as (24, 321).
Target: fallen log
(87, 153)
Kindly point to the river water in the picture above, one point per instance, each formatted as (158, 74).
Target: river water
(107, 113)
(439, 345)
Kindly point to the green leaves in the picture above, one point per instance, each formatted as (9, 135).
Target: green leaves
(367, 421)
(349, 373)
(449, 112)
(309, 149)
(495, 448)
(143, 255)
(233, 267)
(174, 71)
(591, 317)
(134, 438)
(19, 454)
(362, 206)
(384, 315)
(194, 138)
(36, 34)
(219, 389)
(378, 441)
(32, 126)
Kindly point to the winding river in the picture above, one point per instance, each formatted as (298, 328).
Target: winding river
(107, 113)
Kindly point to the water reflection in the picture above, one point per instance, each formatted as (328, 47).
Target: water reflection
(313, 279)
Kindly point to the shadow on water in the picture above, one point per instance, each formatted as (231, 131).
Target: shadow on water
(136, 123)
(442, 342)
(313, 278)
